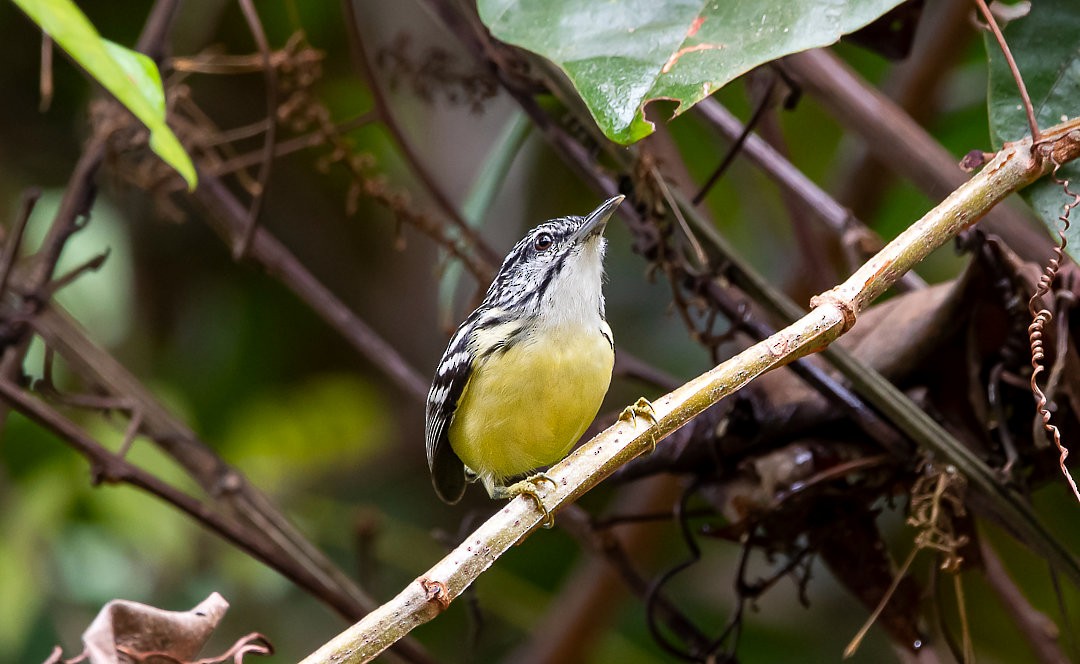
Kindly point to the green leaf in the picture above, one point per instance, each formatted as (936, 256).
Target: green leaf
(622, 54)
(129, 76)
(1046, 47)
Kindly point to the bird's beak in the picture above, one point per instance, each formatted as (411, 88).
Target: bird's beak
(597, 220)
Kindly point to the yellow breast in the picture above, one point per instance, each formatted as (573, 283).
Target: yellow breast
(526, 407)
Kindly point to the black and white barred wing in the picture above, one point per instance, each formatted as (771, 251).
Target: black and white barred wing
(447, 470)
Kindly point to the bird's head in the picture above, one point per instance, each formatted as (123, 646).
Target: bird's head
(556, 270)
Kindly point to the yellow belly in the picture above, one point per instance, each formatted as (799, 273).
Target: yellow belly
(525, 408)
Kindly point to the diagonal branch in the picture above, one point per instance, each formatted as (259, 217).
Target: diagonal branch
(227, 214)
(836, 217)
(899, 142)
(834, 313)
(408, 151)
(267, 530)
(216, 478)
(113, 469)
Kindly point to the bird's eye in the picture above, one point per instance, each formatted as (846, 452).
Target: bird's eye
(543, 242)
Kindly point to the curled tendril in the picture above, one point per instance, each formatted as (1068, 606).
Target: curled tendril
(1042, 316)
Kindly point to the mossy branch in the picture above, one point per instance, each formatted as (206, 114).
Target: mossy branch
(1016, 166)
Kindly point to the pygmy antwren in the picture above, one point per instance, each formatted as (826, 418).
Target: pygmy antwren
(526, 372)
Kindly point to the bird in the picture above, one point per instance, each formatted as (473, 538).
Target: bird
(526, 372)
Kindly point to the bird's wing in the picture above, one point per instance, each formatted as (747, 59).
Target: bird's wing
(447, 470)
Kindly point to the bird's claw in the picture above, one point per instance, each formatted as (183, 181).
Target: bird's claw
(528, 487)
(642, 408)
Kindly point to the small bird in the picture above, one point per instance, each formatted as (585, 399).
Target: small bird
(526, 372)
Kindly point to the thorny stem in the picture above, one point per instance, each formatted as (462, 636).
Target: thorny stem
(834, 313)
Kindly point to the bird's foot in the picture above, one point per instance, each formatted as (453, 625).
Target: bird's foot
(528, 487)
(642, 408)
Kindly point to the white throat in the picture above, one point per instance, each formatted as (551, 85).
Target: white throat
(576, 298)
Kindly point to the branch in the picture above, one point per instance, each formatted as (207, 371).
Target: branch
(360, 58)
(900, 143)
(213, 475)
(835, 312)
(1040, 632)
(915, 85)
(14, 240)
(111, 468)
(1029, 110)
(277, 260)
(264, 529)
(836, 217)
(251, 15)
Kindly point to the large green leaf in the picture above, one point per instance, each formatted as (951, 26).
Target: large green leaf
(129, 76)
(1046, 46)
(621, 54)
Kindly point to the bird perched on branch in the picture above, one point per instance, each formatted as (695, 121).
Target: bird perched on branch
(526, 372)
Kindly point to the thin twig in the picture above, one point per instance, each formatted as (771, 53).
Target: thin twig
(74, 208)
(898, 576)
(416, 165)
(269, 252)
(901, 143)
(240, 249)
(734, 149)
(1029, 110)
(295, 144)
(92, 264)
(836, 217)
(14, 239)
(45, 84)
